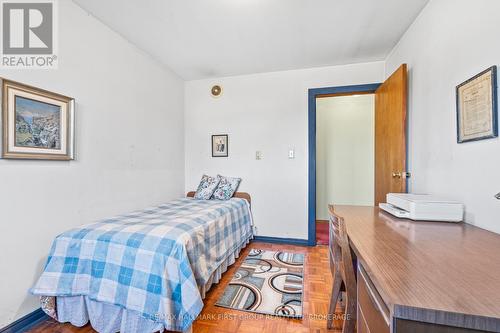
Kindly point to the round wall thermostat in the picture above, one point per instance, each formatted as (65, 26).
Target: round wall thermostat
(216, 91)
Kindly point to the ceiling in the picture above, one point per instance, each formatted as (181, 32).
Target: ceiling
(212, 38)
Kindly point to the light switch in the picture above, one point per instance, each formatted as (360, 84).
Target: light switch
(258, 155)
(291, 153)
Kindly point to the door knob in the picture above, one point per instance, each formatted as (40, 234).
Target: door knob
(400, 174)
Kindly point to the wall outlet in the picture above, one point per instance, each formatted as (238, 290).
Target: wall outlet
(255, 231)
(258, 155)
(291, 153)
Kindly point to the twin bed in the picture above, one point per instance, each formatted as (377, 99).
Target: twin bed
(145, 271)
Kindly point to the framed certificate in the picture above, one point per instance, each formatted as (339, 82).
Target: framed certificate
(477, 107)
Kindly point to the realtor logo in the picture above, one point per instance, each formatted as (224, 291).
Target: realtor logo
(28, 34)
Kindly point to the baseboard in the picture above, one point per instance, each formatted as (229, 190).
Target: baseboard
(278, 240)
(26, 322)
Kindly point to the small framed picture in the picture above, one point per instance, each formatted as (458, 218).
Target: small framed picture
(37, 124)
(477, 107)
(220, 145)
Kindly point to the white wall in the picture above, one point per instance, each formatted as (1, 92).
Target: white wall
(451, 41)
(266, 112)
(129, 150)
(345, 145)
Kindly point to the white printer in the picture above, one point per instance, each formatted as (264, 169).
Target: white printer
(423, 207)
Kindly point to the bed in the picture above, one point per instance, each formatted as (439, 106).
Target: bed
(145, 271)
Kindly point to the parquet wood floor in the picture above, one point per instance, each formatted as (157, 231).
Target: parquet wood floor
(317, 289)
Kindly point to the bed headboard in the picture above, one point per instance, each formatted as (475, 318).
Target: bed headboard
(242, 195)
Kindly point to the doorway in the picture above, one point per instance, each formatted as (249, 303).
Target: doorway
(389, 163)
(345, 160)
(314, 95)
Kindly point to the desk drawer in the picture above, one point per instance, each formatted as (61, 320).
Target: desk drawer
(373, 314)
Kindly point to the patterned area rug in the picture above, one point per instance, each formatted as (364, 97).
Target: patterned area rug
(267, 282)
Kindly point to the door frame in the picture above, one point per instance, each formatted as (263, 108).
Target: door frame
(314, 93)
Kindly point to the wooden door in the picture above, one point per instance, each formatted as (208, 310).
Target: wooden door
(390, 135)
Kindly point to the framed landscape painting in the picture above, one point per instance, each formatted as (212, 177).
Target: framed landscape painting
(37, 124)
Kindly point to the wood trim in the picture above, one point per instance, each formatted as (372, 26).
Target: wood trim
(352, 93)
(26, 322)
(279, 240)
(242, 195)
(311, 118)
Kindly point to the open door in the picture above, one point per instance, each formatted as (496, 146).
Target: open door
(390, 135)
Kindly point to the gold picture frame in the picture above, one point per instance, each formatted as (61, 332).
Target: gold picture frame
(36, 123)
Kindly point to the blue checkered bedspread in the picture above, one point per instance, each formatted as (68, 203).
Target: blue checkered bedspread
(151, 261)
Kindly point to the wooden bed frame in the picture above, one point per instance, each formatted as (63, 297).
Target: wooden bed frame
(242, 195)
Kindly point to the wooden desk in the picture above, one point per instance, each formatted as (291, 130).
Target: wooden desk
(427, 274)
